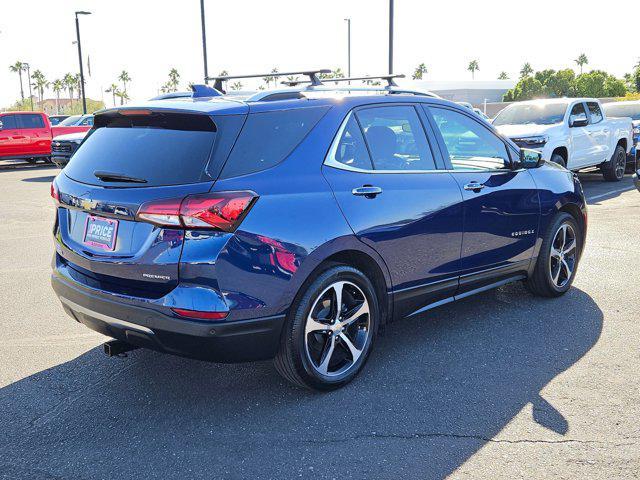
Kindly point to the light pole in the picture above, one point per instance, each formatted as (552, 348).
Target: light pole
(26, 65)
(204, 43)
(84, 98)
(348, 20)
(390, 37)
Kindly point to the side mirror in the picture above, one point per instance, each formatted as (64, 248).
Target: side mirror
(530, 158)
(578, 121)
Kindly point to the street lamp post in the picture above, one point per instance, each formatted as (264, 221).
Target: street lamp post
(348, 20)
(204, 43)
(390, 37)
(84, 98)
(26, 65)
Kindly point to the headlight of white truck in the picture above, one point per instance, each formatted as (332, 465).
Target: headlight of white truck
(537, 141)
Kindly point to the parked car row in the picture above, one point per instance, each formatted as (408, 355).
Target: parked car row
(29, 135)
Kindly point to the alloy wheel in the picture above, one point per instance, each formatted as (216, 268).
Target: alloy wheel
(337, 329)
(621, 165)
(562, 260)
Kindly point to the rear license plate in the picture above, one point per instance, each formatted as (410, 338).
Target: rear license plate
(101, 232)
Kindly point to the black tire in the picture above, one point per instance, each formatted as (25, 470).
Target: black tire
(294, 362)
(559, 159)
(613, 170)
(541, 282)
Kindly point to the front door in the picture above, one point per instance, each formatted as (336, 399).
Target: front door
(599, 135)
(581, 143)
(501, 205)
(9, 146)
(383, 172)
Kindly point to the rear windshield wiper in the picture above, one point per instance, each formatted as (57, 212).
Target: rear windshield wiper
(117, 177)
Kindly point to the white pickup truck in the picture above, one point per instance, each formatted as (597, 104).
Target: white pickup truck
(573, 132)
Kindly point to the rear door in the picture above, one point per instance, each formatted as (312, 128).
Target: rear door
(384, 172)
(501, 205)
(8, 129)
(123, 163)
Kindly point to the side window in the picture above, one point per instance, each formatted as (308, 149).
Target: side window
(578, 113)
(87, 121)
(594, 112)
(470, 145)
(351, 150)
(30, 121)
(8, 122)
(396, 138)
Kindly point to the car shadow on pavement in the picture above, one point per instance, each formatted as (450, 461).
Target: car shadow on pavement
(46, 179)
(436, 389)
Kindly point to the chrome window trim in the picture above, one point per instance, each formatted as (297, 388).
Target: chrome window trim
(330, 159)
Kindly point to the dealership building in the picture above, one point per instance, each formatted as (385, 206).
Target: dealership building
(473, 91)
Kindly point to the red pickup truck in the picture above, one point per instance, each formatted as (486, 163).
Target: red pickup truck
(27, 135)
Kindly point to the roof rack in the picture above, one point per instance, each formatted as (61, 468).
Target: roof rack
(299, 92)
(390, 79)
(312, 74)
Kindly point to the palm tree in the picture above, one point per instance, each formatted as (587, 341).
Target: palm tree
(76, 77)
(18, 68)
(526, 70)
(236, 86)
(113, 90)
(581, 61)
(503, 76)
(57, 86)
(40, 83)
(473, 67)
(70, 83)
(124, 78)
(122, 95)
(174, 80)
(419, 72)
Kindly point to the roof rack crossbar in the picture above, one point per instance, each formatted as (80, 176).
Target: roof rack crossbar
(390, 79)
(312, 74)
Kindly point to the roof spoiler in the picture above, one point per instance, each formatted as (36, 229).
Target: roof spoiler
(200, 91)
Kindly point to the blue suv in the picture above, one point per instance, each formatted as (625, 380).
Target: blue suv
(293, 224)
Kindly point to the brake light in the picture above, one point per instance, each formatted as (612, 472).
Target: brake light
(131, 111)
(55, 194)
(199, 314)
(221, 211)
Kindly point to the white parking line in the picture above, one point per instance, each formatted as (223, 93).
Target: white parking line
(612, 192)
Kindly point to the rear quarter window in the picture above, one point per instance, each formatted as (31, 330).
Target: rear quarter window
(30, 121)
(267, 138)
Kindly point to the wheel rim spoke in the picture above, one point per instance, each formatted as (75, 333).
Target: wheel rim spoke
(355, 352)
(314, 325)
(355, 315)
(570, 247)
(326, 356)
(562, 255)
(337, 288)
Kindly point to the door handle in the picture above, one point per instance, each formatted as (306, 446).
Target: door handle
(474, 186)
(367, 191)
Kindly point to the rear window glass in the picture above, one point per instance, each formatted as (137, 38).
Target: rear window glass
(268, 138)
(166, 149)
(30, 121)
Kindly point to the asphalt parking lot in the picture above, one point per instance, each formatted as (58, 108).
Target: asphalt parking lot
(503, 385)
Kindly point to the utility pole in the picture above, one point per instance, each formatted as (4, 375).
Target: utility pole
(84, 98)
(390, 37)
(204, 43)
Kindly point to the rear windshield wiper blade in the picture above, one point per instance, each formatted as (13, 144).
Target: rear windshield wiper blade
(117, 177)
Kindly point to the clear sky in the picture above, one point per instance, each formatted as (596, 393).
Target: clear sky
(148, 37)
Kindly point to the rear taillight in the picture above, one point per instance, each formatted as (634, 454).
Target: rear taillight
(221, 211)
(55, 194)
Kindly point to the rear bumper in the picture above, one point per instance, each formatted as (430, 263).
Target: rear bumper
(226, 342)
